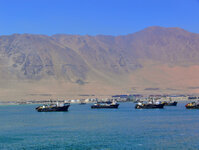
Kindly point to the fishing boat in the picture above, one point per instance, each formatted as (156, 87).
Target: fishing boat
(82, 103)
(137, 101)
(149, 105)
(170, 103)
(192, 105)
(53, 107)
(105, 105)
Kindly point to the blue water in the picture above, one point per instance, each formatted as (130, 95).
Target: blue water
(82, 128)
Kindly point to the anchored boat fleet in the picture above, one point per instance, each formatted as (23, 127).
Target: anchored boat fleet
(113, 104)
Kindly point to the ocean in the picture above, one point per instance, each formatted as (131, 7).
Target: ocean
(83, 128)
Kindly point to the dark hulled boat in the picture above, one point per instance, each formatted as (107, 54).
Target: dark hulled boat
(53, 107)
(105, 105)
(82, 103)
(192, 105)
(151, 104)
(170, 103)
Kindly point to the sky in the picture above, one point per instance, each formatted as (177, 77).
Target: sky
(92, 17)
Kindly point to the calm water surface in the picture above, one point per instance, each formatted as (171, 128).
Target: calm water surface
(21, 127)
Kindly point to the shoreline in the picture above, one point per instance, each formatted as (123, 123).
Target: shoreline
(44, 102)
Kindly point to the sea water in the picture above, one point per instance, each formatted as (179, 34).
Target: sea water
(83, 128)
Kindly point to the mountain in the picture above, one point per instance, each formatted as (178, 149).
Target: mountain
(154, 60)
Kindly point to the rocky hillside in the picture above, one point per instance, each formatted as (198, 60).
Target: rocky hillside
(63, 65)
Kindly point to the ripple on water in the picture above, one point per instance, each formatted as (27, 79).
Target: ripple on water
(21, 127)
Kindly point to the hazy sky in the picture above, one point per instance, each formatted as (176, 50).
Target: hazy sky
(112, 17)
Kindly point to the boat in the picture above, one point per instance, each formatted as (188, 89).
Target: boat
(105, 105)
(137, 101)
(53, 107)
(82, 103)
(170, 103)
(149, 105)
(192, 105)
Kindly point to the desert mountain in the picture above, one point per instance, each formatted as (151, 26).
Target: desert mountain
(154, 60)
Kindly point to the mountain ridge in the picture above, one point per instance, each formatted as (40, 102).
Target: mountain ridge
(116, 64)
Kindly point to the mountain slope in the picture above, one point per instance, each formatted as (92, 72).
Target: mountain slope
(40, 66)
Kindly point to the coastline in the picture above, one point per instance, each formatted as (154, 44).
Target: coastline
(45, 102)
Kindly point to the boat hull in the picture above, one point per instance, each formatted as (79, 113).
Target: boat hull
(149, 106)
(192, 107)
(104, 106)
(82, 103)
(171, 104)
(52, 109)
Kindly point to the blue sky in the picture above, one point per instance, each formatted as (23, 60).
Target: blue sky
(109, 17)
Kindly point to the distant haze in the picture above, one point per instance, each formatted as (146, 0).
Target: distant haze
(156, 60)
